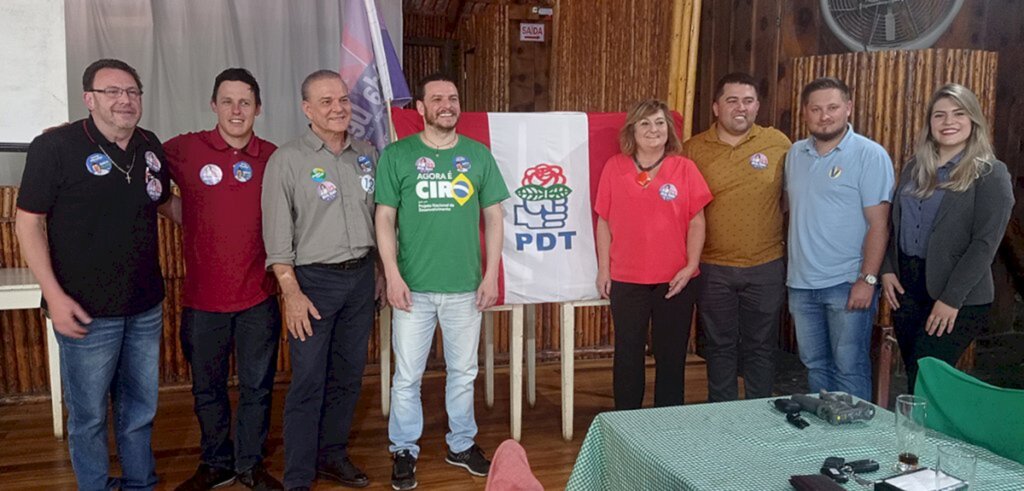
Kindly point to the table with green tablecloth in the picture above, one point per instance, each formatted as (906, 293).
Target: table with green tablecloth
(744, 445)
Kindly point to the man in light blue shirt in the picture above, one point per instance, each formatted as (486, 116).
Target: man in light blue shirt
(839, 185)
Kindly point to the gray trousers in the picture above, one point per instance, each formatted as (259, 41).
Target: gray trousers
(739, 309)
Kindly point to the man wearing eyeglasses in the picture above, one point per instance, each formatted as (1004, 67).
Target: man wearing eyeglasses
(87, 223)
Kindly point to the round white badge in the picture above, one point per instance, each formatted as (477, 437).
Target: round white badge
(424, 165)
(211, 174)
(668, 192)
(327, 191)
(242, 171)
(461, 163)
(98, 164)
(759, 161)
(152, 161)
(368, 183)
(154, 189)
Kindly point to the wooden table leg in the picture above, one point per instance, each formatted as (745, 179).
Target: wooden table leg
(530, 333)
(516, 371)
(568, 343)
(489, 358)
(56, 393)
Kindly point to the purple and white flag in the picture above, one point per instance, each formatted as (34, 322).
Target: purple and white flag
(370, 68)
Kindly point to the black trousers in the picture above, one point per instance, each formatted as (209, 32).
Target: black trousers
(327, 369)
(739, 311)
(634, 308)
(910, 320)
(206, 340)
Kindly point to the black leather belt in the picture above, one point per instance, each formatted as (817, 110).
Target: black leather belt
(348, 265)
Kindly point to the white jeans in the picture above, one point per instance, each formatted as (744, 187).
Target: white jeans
(411, 335)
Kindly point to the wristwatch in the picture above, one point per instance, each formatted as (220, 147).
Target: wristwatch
(869, 279)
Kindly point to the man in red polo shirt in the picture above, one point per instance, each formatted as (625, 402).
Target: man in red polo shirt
(228, 294)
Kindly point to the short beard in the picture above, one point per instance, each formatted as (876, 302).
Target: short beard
(827, 137)
(432, 121)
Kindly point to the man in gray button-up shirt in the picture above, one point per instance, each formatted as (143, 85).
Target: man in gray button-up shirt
(318, 231)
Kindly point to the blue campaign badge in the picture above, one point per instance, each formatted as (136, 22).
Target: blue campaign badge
(152, 161)
(365, 164)
(211, 174)
(368, 183)
(317, 174)
(242, 171)
(461, 163)
(154, 189)
(759, 161)
(327, 191)
(98, 164)
(668, 192)
(424, 165)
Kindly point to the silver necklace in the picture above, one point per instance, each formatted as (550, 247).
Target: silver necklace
(127, 173)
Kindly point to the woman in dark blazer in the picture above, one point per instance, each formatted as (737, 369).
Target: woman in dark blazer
(952, 205)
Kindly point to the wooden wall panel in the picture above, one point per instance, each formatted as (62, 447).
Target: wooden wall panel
(610, 53)
(890, 88)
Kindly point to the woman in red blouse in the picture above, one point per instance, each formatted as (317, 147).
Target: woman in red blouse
(650, 232)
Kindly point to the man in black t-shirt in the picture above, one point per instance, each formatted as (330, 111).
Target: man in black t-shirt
(87, 225)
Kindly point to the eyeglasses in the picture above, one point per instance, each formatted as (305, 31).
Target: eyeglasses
(115, 92)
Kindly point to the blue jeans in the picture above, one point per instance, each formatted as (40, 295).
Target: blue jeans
(411, 337)
(120, 356)
(834, 343)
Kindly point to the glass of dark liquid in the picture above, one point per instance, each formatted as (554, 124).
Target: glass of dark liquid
(910, 431)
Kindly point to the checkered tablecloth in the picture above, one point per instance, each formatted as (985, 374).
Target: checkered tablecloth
(744, 445)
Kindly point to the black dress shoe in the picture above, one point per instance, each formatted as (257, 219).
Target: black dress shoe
(207, 477)
(344, 472)
(258, 479)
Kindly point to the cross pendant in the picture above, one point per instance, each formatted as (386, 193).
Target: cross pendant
(128, 178)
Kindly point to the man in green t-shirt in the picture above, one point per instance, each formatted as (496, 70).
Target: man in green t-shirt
(431, 190)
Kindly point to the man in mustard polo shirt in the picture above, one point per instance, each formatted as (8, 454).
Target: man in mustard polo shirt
(742, 271)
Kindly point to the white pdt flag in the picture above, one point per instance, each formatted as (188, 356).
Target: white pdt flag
(548, 253)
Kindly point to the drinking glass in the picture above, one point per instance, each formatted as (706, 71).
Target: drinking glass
(957, 461)
(910, 431)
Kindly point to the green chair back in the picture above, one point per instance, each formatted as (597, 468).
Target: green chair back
(966, 408)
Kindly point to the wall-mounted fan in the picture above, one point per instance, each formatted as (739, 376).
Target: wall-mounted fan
(874, 25)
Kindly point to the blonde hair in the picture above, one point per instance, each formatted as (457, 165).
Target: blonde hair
(641, 110)
(977, 154)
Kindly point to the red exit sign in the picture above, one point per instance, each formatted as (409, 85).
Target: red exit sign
(531, 32)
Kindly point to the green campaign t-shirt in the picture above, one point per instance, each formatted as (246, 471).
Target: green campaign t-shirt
(439, 195)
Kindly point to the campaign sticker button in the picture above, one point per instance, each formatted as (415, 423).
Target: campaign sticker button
(461, 163)
(98, 164)
(327, 191)
(211, 174)
(152, 161)
(668, 192)
(154, 189)
(365, 164)
(759, 161)
(368, 183)
(424, 165)
(242, 171)
(317, 174)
